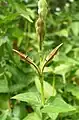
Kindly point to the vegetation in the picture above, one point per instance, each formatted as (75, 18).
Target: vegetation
(32, 85)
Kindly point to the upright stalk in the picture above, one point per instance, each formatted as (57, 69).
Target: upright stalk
(40, 30)
(41, 78)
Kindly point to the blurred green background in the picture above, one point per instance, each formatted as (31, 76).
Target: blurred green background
(17, 30)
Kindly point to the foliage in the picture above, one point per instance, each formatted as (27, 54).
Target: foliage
(20, 88)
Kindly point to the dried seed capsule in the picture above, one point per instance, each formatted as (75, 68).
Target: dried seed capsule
(40, 30)
(26, 58)
(23, 56)
(39, 26)
(51, 55)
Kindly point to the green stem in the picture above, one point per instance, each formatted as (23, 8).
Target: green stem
(42, 89)
(41, 78)
(53, 83)
(41, 73)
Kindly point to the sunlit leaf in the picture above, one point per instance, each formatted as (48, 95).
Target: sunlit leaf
(32, 116)
(75, 28)
(57, 105)
(48, 89)
(32, 98)
(62, 32)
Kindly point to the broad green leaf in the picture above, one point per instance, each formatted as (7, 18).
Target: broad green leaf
(4, 115)
(57, 105)
(16, 87)
(48, 89)
(77, 73)
(3, 40)
(19, 112)
(24, 13)
(23, 79)
(32, 98)
(62, 69)
(67, 48)
(32, 116)
(17, 33)
(76, 53)
(9, 18)
(73, 89)
(53, 116)
(75, 28)
(14, 118)
(4, 86)
(67, 60)
(63, 33)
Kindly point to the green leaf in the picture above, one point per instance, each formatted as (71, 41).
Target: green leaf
(16, 87)
(23, 79)
(32, 116)
(48, 89)
(4, 115)
(9, 18)
(68, 60)
(4, 86)
(3, 41)
(63, 33)
(24, 13)
(53, 116)
(4, 101)
(57, 105)
(62, 69)
(73, 89)
(32, 98)
(19, 112)
(17, 33)
(75, 28)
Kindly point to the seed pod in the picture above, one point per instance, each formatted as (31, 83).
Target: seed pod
(26, 58)
(40, 30)
(23, 56)
(51, 55)
(39, 26)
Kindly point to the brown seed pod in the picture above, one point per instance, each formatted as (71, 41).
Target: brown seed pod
(27, 59)
(39, 22)
(23, 56)
(40, 30)
(39, 25)
(51, 55)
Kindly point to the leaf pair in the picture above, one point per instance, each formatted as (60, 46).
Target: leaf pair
(53, 106)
